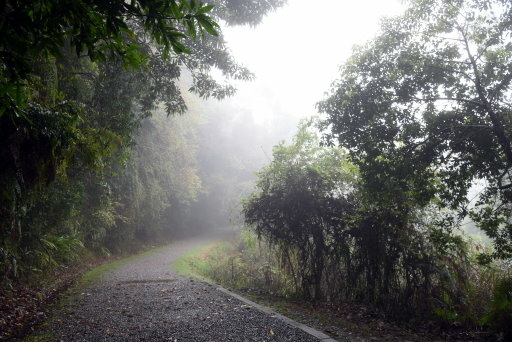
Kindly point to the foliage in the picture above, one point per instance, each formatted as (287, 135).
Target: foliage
(337, 242)
(241, 12)
(424, 111)
(226, 166)
(76, 96)
(160, 181)
(98, 29)
(302, 198)
(243, 263)
(499, 316)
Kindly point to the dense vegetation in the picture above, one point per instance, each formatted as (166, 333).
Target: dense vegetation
(366, 204)
(89, 156)
(417, 143)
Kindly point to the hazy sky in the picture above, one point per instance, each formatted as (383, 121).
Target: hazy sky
(296, 52)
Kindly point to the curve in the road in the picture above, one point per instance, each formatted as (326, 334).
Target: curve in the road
(144, 300)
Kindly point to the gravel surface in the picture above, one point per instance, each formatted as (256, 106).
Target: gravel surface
(145, 300)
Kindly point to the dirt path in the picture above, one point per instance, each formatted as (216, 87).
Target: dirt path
(145, 300)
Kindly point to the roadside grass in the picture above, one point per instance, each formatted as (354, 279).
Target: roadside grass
(76, 291)
(196, 263)
(241, 265)
(224, 262)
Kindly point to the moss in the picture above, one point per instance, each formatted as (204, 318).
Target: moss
(40, 336)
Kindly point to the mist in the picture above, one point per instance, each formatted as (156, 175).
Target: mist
(237, 134)
(335, 155)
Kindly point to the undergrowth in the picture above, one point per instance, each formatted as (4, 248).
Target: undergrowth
(252, 266)
(243, 263)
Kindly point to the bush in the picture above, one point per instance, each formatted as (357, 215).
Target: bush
(248, 264)
(499, 317)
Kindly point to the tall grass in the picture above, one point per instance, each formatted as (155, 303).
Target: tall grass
(251, 265)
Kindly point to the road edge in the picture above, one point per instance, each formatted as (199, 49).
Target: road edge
(307, 329)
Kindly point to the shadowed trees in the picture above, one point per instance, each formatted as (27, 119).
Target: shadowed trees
(424, 109)
(74, 95)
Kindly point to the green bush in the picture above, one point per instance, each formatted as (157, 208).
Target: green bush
(248, 264)
(499, 317)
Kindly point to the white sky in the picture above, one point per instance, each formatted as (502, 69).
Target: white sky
(296, 53)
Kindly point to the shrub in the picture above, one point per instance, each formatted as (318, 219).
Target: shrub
(499, 317)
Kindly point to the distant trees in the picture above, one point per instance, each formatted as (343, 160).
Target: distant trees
(425, 110)
(231, 147)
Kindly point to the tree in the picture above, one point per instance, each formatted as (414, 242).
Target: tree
(302, 201)
(313, 206)
(425, 109)
(243, 12)
(56, 72)
(98, 29)
(44, 63)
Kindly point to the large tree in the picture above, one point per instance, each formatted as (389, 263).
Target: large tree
(425, 110)
(50, 55)
(98, 29)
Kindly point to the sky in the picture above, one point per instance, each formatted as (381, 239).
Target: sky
(296, 53)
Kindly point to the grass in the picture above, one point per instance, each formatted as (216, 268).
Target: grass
(195, 262)
(210, 263)
(40, 337)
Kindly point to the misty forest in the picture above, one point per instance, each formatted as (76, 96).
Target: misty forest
(382, 213)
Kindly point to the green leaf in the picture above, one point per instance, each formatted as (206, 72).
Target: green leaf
(176, 10)
(191, 29)
(205, 9)
(48, 243)
(180, 48)
(207, 25)
(185, 4)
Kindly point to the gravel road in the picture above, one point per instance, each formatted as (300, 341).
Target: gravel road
(145, 300)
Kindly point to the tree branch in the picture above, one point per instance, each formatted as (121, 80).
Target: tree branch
(448, 38)
(497, 126)
(413, 147)
(89, 75)
(452, 61)
(450, 70)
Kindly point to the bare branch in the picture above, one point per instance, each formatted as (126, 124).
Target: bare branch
(453, 61)
(449, 38)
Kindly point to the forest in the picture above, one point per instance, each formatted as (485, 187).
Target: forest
(110, 143)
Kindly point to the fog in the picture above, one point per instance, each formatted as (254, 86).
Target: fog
(156, 123)
(295, 54)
